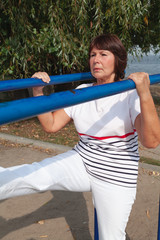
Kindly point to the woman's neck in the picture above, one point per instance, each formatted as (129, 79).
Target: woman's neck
(101, 81)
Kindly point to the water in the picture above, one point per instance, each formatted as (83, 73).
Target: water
(149, 64)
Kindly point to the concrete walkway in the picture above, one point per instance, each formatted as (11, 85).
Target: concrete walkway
(64, 215)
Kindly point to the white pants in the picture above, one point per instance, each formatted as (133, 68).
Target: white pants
(67, 172)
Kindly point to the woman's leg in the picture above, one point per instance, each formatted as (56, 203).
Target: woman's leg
(62, 172)
(113, 204)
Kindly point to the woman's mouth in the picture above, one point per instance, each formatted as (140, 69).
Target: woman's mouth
(97, 69)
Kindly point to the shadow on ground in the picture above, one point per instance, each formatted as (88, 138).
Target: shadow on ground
(63, 204)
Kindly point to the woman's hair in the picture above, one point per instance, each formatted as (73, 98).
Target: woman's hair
(113, 44)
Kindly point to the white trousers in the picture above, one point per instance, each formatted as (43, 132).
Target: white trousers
(67, 172)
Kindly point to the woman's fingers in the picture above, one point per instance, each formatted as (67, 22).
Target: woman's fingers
(42, 75)
(141, 80)
(38, 91)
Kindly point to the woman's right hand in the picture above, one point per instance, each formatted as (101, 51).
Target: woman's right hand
(38, 91)
(51, 122)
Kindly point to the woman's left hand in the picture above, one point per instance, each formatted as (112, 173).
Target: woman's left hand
(142, 82)
(147, 122)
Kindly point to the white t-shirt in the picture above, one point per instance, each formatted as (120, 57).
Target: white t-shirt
(108, 140)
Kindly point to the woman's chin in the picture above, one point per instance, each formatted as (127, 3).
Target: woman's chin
(97, 74)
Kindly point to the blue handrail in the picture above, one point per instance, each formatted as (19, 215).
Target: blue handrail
(158, 237)
(29, 107)
(8, 85)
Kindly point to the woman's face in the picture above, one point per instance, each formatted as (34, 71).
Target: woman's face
(102, 64)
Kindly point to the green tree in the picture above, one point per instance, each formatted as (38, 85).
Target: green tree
(53, 36)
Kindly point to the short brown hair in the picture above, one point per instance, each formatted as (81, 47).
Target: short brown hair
(113, 44)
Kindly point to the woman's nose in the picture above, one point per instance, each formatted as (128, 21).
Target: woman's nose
(96, 58)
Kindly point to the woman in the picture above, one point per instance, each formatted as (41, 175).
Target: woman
(105, 161)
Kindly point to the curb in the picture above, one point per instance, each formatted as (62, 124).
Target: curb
(36, 143)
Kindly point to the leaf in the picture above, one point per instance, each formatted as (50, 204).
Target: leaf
(148, 214)
(146, 20)
(41, 222)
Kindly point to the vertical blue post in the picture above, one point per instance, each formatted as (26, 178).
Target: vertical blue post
(158, 237)
(96, 235)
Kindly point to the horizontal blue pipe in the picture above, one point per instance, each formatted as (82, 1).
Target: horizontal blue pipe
(8, 85)
(158, 236)
(29, 107)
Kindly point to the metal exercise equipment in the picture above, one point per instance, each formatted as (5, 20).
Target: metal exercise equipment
(25, 108)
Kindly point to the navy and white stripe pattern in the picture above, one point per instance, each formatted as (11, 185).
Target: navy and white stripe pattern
(112, 159)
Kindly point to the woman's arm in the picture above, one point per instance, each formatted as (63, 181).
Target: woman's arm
(51, 122)
(147, 123)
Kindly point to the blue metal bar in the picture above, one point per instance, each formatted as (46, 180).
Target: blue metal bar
(8, 85)
(29, 107)
(96, 234)
(158, 237)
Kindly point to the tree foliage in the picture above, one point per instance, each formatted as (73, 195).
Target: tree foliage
(53, 36)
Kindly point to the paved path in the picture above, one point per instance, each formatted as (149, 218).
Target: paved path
(64, 215)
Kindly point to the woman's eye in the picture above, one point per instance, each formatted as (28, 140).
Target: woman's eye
(104, 54)
(92, 55)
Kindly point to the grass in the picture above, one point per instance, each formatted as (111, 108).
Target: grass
(32, 129)
(150, 161)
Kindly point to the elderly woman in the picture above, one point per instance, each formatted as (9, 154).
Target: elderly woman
(105, 160)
